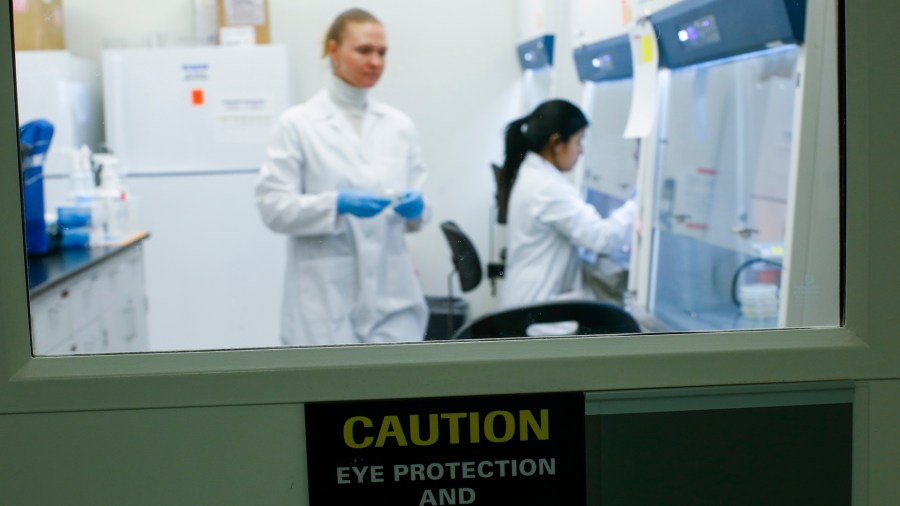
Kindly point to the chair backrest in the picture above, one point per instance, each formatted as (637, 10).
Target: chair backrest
(464, 256)
(593, 317)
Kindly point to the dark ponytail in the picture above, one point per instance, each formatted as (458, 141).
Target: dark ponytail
(532, 133)
(517, 146)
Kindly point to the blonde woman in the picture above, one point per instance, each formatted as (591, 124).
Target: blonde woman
(342, 179)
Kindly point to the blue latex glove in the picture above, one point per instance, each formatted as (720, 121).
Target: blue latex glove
(360, 203)
(410, 205)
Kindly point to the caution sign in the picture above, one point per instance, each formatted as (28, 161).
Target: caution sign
(491, 450)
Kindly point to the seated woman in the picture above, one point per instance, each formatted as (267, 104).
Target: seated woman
(547, 218)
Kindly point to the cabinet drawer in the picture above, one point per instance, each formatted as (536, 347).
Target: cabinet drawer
(50, 320)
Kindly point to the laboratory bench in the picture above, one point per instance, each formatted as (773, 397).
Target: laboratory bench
(92, 300)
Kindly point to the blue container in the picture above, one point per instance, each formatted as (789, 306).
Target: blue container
(73, 216)
(34, 140)
(75, 238)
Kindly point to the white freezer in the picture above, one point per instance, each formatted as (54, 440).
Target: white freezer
(214, 272)
(193, 109)
(190, 127)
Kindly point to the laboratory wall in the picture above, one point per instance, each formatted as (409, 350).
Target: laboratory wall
(592, 21)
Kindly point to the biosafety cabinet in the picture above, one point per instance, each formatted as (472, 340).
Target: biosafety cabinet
(739, 230)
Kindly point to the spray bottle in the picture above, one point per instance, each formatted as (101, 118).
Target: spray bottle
(81, 180)
(77, 217)
(77, 209)
(115, 200)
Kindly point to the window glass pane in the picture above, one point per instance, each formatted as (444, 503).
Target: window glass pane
(170, 204)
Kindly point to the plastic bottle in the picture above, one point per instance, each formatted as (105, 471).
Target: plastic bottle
(79, 238)
(78, 209)
(114, 201)
(81, 179)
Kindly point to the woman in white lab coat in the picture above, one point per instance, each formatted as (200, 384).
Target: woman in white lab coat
(343, 178)
(547, 217)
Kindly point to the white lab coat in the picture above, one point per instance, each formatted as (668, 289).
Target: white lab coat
(547, 221)
(348, 279)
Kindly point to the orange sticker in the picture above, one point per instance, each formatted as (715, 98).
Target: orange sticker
(197, 97)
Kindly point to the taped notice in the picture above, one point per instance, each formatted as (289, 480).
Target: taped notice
(245, 12)
(243, 118)
(237, 36)
(645, 92)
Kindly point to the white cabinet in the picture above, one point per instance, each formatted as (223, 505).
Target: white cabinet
(50, 321)
(102, 309)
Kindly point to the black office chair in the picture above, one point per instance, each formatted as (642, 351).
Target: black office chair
(466, 262)
(466, 265)
(593, 317)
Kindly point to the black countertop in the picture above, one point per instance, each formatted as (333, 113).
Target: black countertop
(49, 270)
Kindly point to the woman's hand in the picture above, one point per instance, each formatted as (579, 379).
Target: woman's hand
(410, 205)
(360, 203)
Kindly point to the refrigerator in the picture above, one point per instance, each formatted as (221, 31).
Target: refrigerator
(190, 127)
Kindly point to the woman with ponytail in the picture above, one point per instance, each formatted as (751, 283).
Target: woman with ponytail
(547, 218)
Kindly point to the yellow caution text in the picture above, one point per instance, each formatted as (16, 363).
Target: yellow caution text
(453, 428)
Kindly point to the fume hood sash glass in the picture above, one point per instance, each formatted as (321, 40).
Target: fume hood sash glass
(724, 165)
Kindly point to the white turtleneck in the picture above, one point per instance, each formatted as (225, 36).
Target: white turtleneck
(349, 99)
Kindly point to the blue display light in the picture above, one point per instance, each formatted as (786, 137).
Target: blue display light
(536, 53)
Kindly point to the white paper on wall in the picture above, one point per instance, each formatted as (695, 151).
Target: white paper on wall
(237, 36)
(245, 12)
(644, 98)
